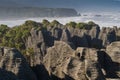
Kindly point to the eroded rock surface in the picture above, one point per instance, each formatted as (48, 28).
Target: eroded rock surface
(64, 62)
(60, 52)
(13, 62)
(113, 50)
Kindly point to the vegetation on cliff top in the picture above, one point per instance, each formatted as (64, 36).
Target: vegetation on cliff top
(82, 25)
(17, 36)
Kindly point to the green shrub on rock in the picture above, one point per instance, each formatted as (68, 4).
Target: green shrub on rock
(3, 29)
(16, 36)
(54, 23)
(81, 25)
(71, 24)
(45, 23)
(91, 23)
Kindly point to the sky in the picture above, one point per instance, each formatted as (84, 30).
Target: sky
(80, 5)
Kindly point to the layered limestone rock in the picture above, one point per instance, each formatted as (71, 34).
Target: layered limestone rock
(61, 62)
(65, 63)
(107, 35)
(58, 52)
(13, 62)
(92, 67)
(35, 43)
(117, 31)
(113, 50)
(79, 38)
(41, 39)
(56, 59)
(66, 36)
(53, 52)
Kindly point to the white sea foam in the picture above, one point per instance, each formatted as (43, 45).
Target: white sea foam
(102, 19)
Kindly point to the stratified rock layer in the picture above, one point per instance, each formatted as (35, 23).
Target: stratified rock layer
(11, 60)
(62, 61)
(113, 50)
(58, 52)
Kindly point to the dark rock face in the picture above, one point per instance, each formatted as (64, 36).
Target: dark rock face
(79, 38)
(36, 41)
(107, 35)
(94, 37)
(117, 31)
(6, 75)
(13, 62)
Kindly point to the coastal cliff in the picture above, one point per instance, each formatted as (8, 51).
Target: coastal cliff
(34, 12)
(53, 51)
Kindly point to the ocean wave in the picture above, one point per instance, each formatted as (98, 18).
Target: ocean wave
(103, 20)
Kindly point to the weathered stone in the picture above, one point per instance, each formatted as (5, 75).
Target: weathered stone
(61, 61)
(79, 38)
(107, 35)
(91, 66)
(113, 51)
(13, 61)
(36, 42)
(66, 36)
(56, 57)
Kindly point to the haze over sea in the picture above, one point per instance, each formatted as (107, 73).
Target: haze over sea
(105, 19)
(107, 11)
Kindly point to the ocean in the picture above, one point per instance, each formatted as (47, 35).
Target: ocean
(105, 19)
